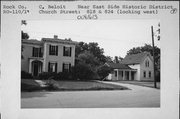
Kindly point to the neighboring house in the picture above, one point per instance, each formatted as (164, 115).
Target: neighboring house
(47, 55)
(133, 67)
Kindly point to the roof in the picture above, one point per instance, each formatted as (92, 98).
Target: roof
(118, 66)
(52, 40)
(135, 58)
(56, 40)
(32, 41)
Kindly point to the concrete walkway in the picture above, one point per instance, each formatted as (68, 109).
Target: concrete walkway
(137, 96)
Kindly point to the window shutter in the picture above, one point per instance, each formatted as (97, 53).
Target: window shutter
(40, 54)
(69, 66)
(33, 52)
(70, 51)
(64, 51)
(63, 67)
(49, 49)
(56, 67)
(48, 66)
(56, 50)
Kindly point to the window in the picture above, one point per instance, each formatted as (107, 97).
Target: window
(115, 73)
(36, 52)
(52, 67)
(147, 63)
(67, 51)
(53, 50)
(149, 74)
(144, 73)
(66, 67)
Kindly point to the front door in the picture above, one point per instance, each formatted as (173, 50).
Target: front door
(35, 70)
(132, 75)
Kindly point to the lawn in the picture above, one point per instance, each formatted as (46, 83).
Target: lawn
(142, 83)
(29, 85)
(70, 85)
(86, 85)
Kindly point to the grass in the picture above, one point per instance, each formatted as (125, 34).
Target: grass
(70, 86)
(29, 85)
(86, 85)
(142, 83)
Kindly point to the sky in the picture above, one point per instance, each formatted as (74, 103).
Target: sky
(116, 37)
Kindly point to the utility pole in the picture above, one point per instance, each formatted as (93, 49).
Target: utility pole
(153, 57)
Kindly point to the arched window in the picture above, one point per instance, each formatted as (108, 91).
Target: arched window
(147, 63)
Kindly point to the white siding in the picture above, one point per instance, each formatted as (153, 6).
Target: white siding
(137, 74)
(146, 69)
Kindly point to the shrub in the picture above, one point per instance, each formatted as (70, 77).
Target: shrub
(26, 75)
(47, 75)
(64, 76)
(103, 71)
(51, 86)
(82, 71)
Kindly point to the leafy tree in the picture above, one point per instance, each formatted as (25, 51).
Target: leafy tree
(117, 59)
(88, 58)
(24, 35)
(109, 59)
(93, 48)
(80, 48)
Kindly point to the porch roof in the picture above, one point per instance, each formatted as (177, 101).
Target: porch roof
(118, 66)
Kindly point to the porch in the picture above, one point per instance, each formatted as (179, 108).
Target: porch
(122, 74)
(35, 66)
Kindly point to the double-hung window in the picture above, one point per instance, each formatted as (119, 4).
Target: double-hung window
(144, 73)
(66, 67)
(36, 52)
(149, 74)
(52, 67)
(67, 51)
(53, 50)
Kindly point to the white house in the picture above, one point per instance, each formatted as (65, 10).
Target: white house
(133, 67)
(47, 55)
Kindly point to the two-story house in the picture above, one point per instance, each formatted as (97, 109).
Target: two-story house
(133, 67)
(47, 55)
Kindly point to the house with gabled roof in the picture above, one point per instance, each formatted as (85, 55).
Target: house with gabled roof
(133, 67)
(47, 55)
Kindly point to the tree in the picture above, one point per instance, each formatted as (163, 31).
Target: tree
(93, 48)
(117, 59)
(88, 58)
(24, 35)
(86, 66)
(109, 59)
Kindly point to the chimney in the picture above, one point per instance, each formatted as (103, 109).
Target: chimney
(55, 37)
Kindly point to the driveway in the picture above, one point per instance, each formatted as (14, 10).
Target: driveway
(137, 96)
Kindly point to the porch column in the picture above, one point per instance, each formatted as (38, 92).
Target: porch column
(123, 75)
(130, 75)
(30, 66)
(117, 74)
